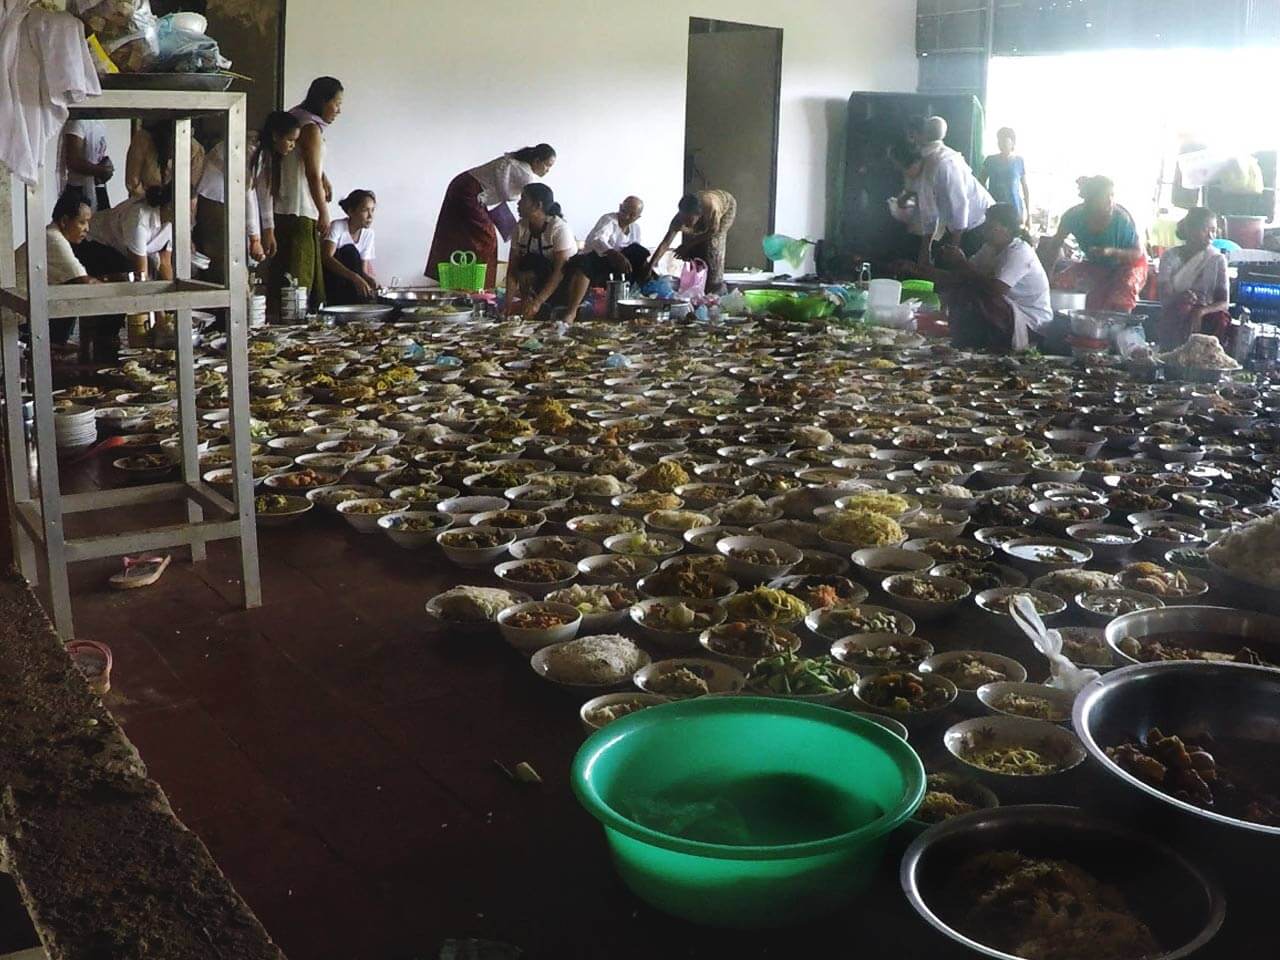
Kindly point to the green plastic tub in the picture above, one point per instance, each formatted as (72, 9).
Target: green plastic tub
(921, 290)
(747, 811)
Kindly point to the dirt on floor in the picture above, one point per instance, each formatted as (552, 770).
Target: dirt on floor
(105, 868)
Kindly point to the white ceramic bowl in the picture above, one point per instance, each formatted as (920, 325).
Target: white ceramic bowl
(394, 526)
(588, 709)
(589, 568)
(823, 624)
(675, 639)
(300, 506)
(922, 609)
(509, 574)
(999, 731)
(521, 533)
(473, 556)
(1060, 701)
(528, 639)
(849, 650)
(746, 571)
(718, 675)
(367, 522)
(875, 563)
(462, 509)
(937, 664)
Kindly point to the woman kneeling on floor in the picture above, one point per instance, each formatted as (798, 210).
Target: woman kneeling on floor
(1194, 288)
(347, 252)
(999, 299)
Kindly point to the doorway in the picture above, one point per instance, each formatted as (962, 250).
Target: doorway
(731, 126)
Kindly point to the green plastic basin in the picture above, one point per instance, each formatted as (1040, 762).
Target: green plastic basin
(747, 811)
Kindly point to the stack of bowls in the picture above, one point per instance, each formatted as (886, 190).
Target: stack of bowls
(75, 427)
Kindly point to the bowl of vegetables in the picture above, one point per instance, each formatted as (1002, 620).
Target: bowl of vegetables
(743, 642)
(413, 530)
(598, 712)
(469, 546)
(949, 795)
(675, 622)
(916, 700)
(757, 559)
(757, 861)
(603, 607)
(926, 597)
(970, 669)
(819, 680)
(873, 653)
(536, 577)
(1032, 700)
(615, 568)
(835, 622)
(686, 677)
(1016, 756)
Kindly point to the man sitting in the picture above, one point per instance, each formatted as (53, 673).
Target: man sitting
(612, 249)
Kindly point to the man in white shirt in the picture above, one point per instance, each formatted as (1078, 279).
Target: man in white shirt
(612, 249)
(83, 162)
(950, 194)
(67, 230)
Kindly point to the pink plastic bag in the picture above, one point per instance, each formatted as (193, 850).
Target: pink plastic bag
(693, 280)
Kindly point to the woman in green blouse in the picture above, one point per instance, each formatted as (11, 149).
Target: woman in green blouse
(1114, 269)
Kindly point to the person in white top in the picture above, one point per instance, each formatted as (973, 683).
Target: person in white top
(83, 162)
(138, 230)
(476, 203)
(276, 140)
(999, 298)
(542, 246)
(302, 203)
(612, 249)
(68, 229)
(348, 252)
(949, 194)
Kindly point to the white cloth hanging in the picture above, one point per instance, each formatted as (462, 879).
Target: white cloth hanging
(45, 65)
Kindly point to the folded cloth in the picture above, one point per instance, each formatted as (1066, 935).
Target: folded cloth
(45, 65)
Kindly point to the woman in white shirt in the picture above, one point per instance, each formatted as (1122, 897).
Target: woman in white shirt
(999, 299)
(612, 249)
(466, 222)
(348, 252)
(276, 140)
(302, 203)
(542, 246)
(129, 239)
(1193, 282)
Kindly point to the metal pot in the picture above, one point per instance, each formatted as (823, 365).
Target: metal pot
(1095, 324)
(1182, 905)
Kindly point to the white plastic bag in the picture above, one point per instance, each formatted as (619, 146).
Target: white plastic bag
(127, 30)
(1064, 675)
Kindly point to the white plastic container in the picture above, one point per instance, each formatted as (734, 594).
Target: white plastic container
(884, 293)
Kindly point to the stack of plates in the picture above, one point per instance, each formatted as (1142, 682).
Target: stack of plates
(75, 426)
(257, 310)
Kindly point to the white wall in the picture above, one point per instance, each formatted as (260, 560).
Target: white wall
(436, 87)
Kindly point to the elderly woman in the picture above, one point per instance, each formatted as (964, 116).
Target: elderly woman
(703, 221)
(542, 246)
(477, 198)
(999, 298)
(1114, 269)
(1193, 282)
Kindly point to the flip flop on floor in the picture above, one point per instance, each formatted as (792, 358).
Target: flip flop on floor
(140, 572)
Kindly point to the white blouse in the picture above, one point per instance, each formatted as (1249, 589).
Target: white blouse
(295, 194)
(503, 180)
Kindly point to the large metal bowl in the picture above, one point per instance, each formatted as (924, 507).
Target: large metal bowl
(1258, 630)
(1221, 699)
(1095, 324)
(357, 311)
(1183, 907)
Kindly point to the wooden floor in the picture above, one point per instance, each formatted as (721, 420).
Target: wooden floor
(338, 758)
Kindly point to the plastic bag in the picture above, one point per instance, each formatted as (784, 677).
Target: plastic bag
(661, 288)
(1064, 675)
(127, 30)
(693, 280)
(734, 304)
(182, 51)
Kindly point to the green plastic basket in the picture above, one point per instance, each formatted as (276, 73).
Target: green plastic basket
(463, 272)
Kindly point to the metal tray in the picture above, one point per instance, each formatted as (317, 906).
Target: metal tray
(207, 82)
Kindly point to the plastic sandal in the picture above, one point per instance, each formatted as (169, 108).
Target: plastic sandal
(140, 572)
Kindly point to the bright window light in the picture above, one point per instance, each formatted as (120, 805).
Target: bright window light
(1124, 114)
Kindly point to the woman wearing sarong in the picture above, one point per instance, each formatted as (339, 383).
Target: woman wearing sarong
(1114, 269)
(1193, 283)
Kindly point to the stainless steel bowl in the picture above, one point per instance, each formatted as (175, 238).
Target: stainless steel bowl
(1257, 630)
(357, 311)
(1095, 324)
(1221, 699)
(1183, 907)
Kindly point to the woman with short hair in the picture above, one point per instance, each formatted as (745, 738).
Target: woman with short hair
(348, 252)
(1193, 283)
(466, 223)
(65, 233)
